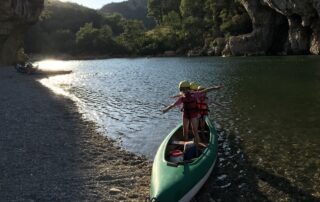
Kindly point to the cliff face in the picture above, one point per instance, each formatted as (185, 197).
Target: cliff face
(279, 27)
(15, 17)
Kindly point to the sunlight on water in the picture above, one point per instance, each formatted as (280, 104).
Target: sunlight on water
(53, 65)
(61, 85)
(47, 83)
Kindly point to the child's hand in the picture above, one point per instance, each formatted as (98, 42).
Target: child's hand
(163, 110)
(219, 86)
(176, 96)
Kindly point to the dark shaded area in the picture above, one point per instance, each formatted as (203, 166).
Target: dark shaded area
(280, 38)
(39, 146)
(234, 178)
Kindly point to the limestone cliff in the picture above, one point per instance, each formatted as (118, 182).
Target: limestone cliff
(15, 18)
(279, 27)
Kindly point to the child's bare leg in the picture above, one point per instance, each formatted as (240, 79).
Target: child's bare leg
(185, 128)
(195, 125)
(197, 138)
(202, 123)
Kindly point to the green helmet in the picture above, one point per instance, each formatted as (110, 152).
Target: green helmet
(184, 84)
(194, 86)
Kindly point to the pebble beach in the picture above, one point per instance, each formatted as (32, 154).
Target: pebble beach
(50, 153)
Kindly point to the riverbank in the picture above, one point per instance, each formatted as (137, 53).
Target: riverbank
(49, 153)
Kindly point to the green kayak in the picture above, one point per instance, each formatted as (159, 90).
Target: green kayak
(179, 178)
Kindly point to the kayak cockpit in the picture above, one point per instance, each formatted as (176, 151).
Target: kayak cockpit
(178, 151)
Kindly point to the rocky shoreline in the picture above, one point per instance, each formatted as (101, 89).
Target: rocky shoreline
(49, 153)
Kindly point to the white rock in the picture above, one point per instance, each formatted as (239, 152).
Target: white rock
(114, 190)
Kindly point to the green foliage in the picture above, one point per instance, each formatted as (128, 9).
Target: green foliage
(164, 38)
(160, 8)
(87, 38)
(133, 36)
(131, 10)
(173, 19)
(191, 8)
(201, 19)
(71, 28)
(62, 40)
(93, 40)
(60, 20)
(115, 21)
(155, 10)
(181, 25)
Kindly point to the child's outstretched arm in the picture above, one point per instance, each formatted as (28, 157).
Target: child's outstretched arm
(212, 88)
(164, 110)
(175, 96)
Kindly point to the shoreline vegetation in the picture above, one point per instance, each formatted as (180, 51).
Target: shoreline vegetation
(183, 30)
(168, 29)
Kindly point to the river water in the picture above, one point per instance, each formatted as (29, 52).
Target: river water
(271, 103)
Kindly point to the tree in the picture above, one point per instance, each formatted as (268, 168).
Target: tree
(86, 38)
(104, 39)
(155, 9)
(64, 41)
(133, 36)
(173, 19)
(115, 21)
(192, 8)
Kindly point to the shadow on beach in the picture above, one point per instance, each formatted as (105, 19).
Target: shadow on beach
(49, 153)
(235, 178)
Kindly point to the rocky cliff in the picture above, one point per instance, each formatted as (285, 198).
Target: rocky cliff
(279, 27)
(15, 18)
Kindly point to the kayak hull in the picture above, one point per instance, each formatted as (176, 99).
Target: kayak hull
(180, 182)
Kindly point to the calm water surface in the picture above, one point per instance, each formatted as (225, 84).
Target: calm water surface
(272, 103)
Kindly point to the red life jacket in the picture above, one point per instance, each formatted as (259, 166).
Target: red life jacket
(190, 106)
(203, 106)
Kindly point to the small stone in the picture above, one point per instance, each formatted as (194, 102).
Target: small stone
(222, 177)
(225, 186)
(114, 191)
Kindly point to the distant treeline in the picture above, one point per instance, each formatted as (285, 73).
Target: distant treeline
(132, 9)
(74, 29)
(181, 26)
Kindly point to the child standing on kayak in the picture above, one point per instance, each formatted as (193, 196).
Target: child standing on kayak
(203, 107)
(190, 113)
